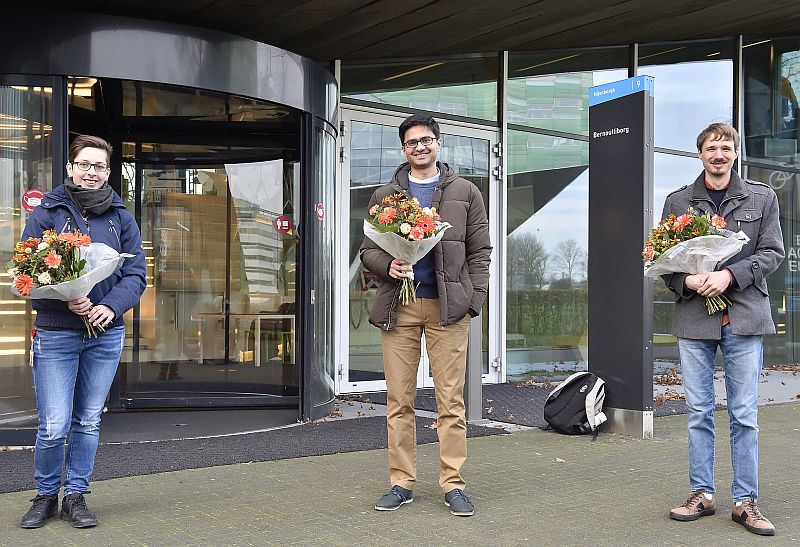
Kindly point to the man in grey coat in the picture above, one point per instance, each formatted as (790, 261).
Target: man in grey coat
(451, 284)
(738, 331)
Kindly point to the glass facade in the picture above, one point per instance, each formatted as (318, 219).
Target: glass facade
(545, 217)
(27, 152)
(771, 73)
(464, 87)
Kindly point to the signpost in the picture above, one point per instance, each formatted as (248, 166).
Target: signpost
(620, 217)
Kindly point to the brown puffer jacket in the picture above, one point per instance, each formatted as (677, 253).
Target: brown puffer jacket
(462, 256)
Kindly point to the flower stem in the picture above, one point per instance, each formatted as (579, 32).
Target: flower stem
(408, 292)
(717, 303)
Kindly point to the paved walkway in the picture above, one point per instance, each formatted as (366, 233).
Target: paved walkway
(530, 487)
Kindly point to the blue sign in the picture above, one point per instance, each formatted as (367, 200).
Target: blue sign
(606, 92)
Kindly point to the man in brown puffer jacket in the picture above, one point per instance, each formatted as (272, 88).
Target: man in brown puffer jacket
(452, 281)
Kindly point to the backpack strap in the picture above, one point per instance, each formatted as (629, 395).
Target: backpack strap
(595, 418)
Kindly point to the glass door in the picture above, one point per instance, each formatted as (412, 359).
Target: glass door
(30, 160)
(370, 154)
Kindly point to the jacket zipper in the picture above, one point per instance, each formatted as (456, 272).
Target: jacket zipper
(113, 229)
(393, 306)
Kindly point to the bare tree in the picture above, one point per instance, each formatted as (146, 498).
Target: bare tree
(567, 258)
(527, 261)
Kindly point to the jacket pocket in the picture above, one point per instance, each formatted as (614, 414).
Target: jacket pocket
(748, 221)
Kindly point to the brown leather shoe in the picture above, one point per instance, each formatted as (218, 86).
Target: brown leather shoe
(748, 515)
(695, 507)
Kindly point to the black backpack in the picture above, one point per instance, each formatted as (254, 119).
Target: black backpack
(575, 406)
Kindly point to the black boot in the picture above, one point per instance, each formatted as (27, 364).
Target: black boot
(42, 509)
(74, 511)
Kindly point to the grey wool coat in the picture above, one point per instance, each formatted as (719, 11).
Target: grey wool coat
(753, 208)
(461, 258)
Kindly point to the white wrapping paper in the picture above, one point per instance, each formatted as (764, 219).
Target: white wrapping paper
(101, 261)
(697, 255)
(402, 248)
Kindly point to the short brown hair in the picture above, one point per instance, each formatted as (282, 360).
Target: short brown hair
(718, 132)
(88, 141)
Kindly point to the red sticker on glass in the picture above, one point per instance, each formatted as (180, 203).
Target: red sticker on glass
(282, 224)
(32, 199)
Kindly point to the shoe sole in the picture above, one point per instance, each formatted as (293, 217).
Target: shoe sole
(460, 513)
(753, 529)
(689, 518)
(77, 524)
(377, 508)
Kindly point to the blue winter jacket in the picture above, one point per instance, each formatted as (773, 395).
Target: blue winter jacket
(116, 228)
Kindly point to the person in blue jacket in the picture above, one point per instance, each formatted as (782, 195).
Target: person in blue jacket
(72, 370)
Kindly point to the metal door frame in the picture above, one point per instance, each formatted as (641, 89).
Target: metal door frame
(350, 113)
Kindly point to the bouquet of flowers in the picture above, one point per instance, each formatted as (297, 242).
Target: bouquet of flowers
(62, 267)
(691, 243)
(402, 228)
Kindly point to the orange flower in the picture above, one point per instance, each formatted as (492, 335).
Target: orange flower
(682, 222)
(648, 252)
(24, 284)
(53, 260)
(426, 223)
(718, 222)
(416, 234)
(82, 240)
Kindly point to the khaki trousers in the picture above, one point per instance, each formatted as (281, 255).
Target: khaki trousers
(447, 350)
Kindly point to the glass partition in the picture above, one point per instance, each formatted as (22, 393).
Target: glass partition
(547, 230)
(550, 89)
(26, 170)
(693, 88)
(465, 87)
(771, 110)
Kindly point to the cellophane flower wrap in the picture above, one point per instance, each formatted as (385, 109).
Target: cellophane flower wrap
(691, 243)
(61, 267)
(402, 228)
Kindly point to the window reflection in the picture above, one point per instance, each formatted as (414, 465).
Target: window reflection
(26, 163)
(550, 90)
(772, 86)
(693, 87)
(547, 229)
(462, 87)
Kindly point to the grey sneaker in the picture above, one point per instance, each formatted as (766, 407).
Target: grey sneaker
(394, 498)
(459, 503)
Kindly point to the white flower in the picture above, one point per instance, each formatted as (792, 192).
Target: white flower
(405, 228)
(12, 272)
(43, 245)
(427, 210)
(44, 278)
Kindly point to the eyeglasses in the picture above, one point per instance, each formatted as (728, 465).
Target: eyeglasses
(424, 141)
(85, 166)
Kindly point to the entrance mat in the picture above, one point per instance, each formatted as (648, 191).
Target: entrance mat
(145, 458)
(514, 402)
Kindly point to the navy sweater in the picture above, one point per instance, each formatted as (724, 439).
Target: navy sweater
(425, 269)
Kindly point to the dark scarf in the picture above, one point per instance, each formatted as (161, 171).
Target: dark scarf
(89, 200)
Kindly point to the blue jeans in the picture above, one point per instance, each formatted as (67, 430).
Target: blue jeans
(72, 374)
(742, 357)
